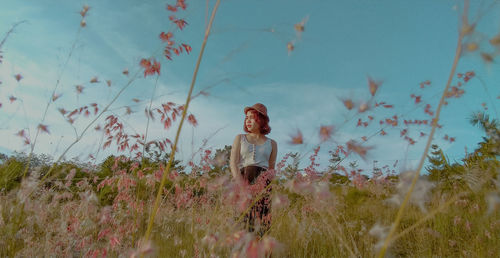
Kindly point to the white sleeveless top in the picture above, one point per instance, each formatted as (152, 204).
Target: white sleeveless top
(254, 155)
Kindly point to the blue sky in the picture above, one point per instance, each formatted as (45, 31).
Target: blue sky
(246, 61)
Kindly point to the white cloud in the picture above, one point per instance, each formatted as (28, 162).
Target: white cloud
(299, 106)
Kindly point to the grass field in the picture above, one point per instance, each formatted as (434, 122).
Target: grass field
(142, 201)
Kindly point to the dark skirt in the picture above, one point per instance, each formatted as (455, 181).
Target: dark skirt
(261, 210)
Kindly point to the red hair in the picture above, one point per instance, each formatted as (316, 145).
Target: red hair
(262, 121)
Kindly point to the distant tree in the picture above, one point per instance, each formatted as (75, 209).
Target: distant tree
(335, 177)
(339, 179)
(353, 165)
(448, 176)
(476, 168)
(3, 157)
(482, 164)
(154, 156)
(438, 164)
(11, 173)
(334, 161)
(489, 148)
(37, 160)
(12, 168)
(107, 167)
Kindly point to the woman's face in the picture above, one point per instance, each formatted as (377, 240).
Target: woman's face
(251, 122)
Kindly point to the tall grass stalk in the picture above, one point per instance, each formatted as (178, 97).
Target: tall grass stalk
(80, 136)
(337, 234)
(33, 144)
(428, 216)
(186, 106)
(149, 117)
(9, 32)
(462, 32)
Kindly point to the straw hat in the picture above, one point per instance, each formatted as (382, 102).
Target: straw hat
(259, 108)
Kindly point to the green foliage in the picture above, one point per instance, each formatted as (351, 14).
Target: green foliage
(14, 219)
(154, 156)
(489, 149)
(356, 197)
(12, 169)
(439, 164)
(478, 166)
(3, 158)
(334, 160)
(11, 173)
(111, 164)
(106, 195)
(447, 175)
(339, 179)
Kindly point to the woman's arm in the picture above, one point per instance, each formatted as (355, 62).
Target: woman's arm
(274, 153)
(235, 158)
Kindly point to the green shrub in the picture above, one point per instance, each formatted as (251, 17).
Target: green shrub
(11, 173)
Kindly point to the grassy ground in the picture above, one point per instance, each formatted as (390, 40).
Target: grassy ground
(199, 217)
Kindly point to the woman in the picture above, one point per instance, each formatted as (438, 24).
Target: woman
(251, 154)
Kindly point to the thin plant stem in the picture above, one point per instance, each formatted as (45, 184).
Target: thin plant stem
(427, 217)
(9, 32)
(336, 234)
(33, 144)
(172, 153)
(149, 109)
(136, 214)
(80, 136)
(399, 215)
